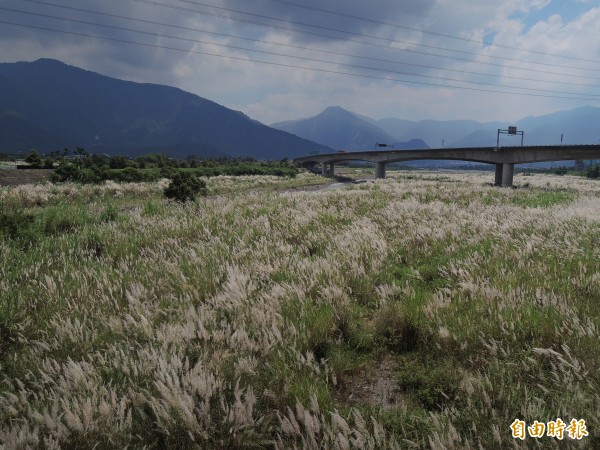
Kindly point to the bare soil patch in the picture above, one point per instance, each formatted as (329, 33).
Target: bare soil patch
(374, 385)
(17, 177)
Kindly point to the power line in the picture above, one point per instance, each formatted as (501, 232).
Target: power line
(329, 52)
(372, 44)
(150, 2)
(292, 66)
(266, 52)
(433, 33)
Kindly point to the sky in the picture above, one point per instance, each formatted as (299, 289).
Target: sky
(280, 60)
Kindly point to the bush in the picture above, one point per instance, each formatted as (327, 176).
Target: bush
(57, 220)
(66, 172)
(128, 175)
(561, 170)
(167, 172)
(48, 163)
(33, 158)
(185, 187)
(119, 162)
(434, 384)
(396, 330)
(97, 174)
(594, 172)
(16, 224)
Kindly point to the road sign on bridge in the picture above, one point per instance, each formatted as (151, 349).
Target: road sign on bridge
(512, 131)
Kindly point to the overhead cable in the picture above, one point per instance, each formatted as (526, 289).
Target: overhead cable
(295, 30)
(271, 53)
(319, 50)
(314, 69)
(420, 30)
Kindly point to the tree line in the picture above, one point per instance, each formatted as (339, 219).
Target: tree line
(82, 167)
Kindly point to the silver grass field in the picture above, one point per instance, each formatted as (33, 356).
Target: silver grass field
(426, 311)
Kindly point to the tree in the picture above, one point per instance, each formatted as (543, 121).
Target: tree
(66, 172)
(33, 158)
(80, 151)
(561, 170)
(49, 163)
(184, 187)
(118, 162)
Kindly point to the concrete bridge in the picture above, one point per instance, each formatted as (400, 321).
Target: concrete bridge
(504, 158)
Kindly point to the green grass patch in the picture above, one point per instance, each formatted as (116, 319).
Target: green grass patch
(542, 198)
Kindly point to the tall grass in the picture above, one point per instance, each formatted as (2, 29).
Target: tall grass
(405, 313)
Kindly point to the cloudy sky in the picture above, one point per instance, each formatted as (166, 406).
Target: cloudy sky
(287, 59)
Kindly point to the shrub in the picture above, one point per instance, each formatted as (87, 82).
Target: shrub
(16, 224)
(561, 170)
(433, 383)
(128, 175)
(396, 330)
(66, 172)
(33, 158)
(57, 220)
(594, 172)
(119, 162)
(185, 187)
(98, 174)
(110, 213)
(167, 172)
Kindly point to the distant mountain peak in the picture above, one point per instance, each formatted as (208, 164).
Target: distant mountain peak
(337, 111)
(338, 128)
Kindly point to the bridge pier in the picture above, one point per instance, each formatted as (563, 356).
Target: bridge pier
(328, 169)
(507, 174)
(498, 180)
(380, 170)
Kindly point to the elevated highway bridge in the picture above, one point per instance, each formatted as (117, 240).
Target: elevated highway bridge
(504, 158)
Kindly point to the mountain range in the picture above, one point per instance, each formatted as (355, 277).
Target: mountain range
(49, 105)
(341, 129)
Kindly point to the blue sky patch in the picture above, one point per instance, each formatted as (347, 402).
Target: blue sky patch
(568, 10)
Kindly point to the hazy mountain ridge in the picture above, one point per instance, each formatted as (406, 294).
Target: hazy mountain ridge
(56, 106)
(578, 126)
(345, 130)
(49, 105)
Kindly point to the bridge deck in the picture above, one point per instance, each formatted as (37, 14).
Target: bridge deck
(491, 155)
(503, 157)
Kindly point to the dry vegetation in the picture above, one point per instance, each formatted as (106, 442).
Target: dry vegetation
(424, 311)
